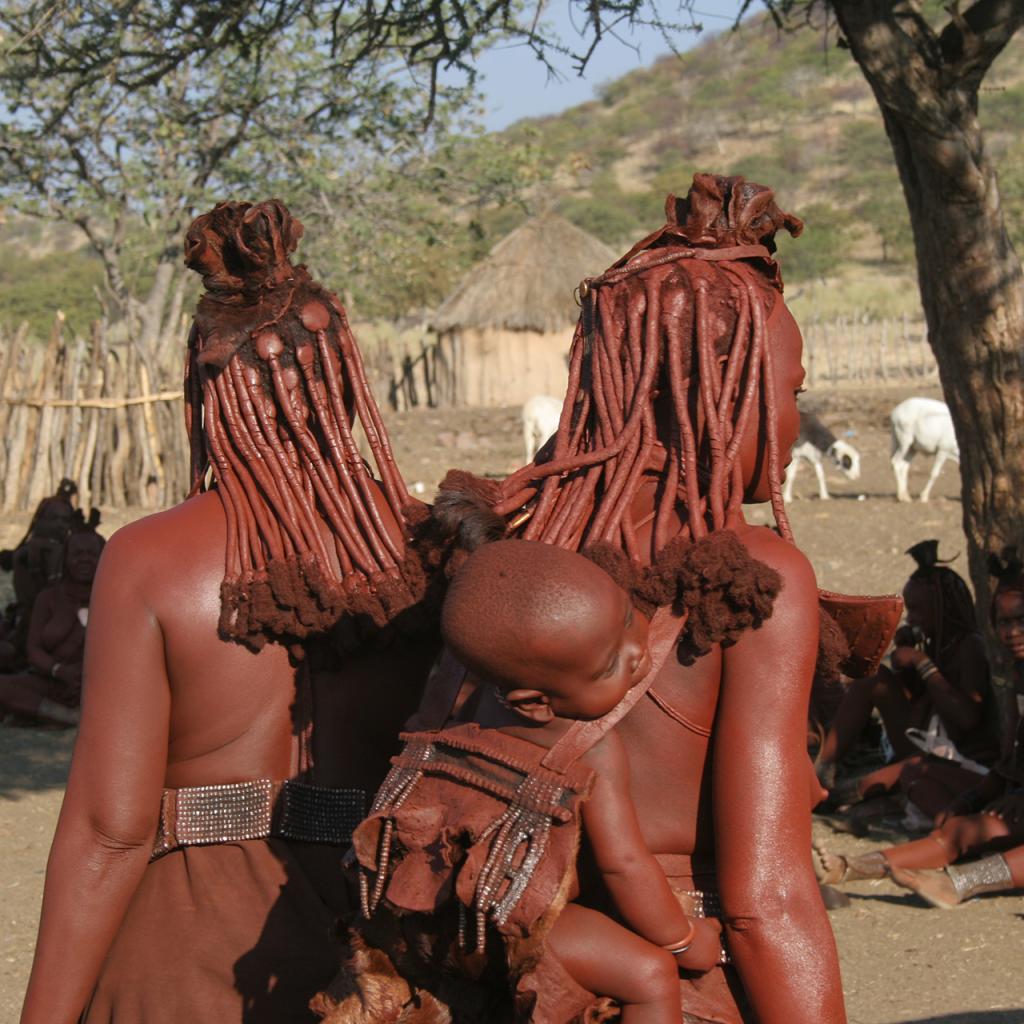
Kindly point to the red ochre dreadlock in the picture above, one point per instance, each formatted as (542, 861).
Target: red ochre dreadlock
(683, 313)
(273, 380)
(682, 316)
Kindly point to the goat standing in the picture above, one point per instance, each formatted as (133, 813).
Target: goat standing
(921, 425)
(540, 420)
(815, 443)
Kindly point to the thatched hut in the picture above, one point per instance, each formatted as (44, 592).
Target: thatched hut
(504, 332)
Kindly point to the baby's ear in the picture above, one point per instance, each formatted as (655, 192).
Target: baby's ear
(531, 705)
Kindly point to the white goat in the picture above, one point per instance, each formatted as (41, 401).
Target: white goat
(540, 420)
(815, 443)
(921, 425)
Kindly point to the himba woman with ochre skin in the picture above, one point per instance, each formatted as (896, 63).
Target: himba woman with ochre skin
(681, 407)
(220, 767)
(55, 640)
(939, 670)
(993, 837)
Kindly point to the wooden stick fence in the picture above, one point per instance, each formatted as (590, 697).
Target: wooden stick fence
(96, 403)
(99, 412)
(860, 350)
(419, 369)
(93, 410)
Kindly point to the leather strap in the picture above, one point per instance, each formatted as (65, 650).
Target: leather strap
(684, 249)
(448, 675)
(439, 694)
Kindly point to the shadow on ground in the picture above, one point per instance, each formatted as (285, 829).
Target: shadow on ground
(974, 1017)
(33, 760)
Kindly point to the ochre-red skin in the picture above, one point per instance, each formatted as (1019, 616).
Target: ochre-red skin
(56, 637)
(741, 801)
(36, 560)
(167, 703)
(956, 693)
(582, 669)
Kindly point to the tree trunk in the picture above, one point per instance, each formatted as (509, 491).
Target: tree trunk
(151, 315)
(969, 274)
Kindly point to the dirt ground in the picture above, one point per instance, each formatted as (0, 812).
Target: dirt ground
(902, 962)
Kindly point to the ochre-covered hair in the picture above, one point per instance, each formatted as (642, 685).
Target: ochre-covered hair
(273, 383)
(682, 316)
(955, 615)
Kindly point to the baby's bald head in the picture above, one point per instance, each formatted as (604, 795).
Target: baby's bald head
(515, 603)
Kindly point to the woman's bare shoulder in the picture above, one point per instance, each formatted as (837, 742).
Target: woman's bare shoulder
(174, 541)
(172, 530)
(785, 646)
(782, 555)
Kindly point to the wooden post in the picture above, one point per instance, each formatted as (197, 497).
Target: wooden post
(121, 442)
(40, 483)
(83, 470)
(9, 380)
(152, 440)
(75, 413)
(17, 432)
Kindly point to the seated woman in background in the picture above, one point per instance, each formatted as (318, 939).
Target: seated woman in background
(35, 561)
(938, 686)
(999, 797)
(51, 690)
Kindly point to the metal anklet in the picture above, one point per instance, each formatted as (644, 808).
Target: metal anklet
(990, 874)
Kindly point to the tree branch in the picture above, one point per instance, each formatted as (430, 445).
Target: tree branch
(899, 55)
(974, 38)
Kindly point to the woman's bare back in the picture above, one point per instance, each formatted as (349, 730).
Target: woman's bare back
(233, 711)
(230, 707)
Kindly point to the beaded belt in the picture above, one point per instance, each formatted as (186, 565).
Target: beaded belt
(202, 815)
(704, 903)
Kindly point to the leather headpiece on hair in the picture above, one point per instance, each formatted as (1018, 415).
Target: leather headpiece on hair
(926, 554)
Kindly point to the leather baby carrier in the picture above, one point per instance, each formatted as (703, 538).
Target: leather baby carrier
(487, 821)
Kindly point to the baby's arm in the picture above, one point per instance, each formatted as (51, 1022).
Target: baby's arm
(634, 878)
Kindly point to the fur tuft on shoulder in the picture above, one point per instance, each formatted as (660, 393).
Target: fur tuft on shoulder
(626, 572)
(723, 587)
(461, 520)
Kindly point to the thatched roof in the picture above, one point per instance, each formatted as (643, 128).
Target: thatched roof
(528, 279)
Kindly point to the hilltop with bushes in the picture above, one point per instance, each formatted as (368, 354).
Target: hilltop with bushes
(787, 109)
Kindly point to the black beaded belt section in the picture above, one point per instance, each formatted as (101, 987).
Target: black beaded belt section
(259, 809)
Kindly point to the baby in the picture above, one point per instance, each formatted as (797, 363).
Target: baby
(552, 639)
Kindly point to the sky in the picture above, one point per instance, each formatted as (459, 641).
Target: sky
(516, 85)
